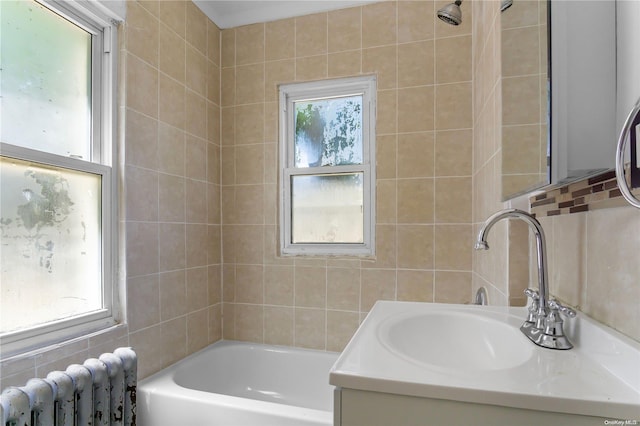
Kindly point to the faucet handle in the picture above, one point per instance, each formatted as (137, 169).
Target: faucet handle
(557, 306)
(533, 308)
(533, 294)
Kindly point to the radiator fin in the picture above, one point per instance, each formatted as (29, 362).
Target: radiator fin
(101, 392)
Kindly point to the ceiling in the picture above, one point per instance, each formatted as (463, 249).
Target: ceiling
(229, 14)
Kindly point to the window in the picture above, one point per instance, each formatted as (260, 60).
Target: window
(327, 147)
(57, 186)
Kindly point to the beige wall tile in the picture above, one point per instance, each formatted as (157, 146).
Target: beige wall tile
(387, 112)
(277, 72)
(416, 109)
(311, 35)
(196, 203)
(345, 29)
(453, 106)
(415, 200)
(453, 59)
(196, 27)
(453, 153)
(377, 284)
(228, 48)
(172, 54)
(195, 114)
(453, 287)
(386, 201)
(249, 322)
(278, 325)
(171, 108)
(415, 246)
(249, 83)
(197, 289)
(173, 295)
(171, 250)
(344, 64)
(141, 199)
(196, 73)
(249, 124)
(173, 14)
(523, 93)
(309, 328)
(142, 34)
(197, 330)
(416, 286)
(416, 65)
(416, 154)
(379, 24)
(213, 43)
(249, 284)
(280, 39)
(386, 147)
(517, 45)
(143, 291)
(250, 44)
(171, 198)
(340, 327)
(141, 133)
(310, 287)
(453, 247)
(343, 288)
(248, 244)
(383, 62)
(416, 21)
(278, 285)
(249, 164)
(196, 158)
(311, 68)
(453, 200)
(142, 87)
(171, 150)
(140, 237)
(228, 90)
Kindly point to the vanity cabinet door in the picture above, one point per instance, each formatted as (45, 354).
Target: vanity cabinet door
(365, 408)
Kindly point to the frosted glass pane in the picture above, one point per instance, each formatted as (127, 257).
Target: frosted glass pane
(327, 208)
(45, 80)
(328, 132)
(50, 243)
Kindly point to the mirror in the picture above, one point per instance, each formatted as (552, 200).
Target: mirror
(524, 97)
(558, 92)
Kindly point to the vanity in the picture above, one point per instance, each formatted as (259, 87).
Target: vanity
(413, 363)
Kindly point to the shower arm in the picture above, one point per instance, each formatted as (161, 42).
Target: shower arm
(620, 148)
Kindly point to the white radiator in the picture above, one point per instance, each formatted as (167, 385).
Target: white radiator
(101, 392)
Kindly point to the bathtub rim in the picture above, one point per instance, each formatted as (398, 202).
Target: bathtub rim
(162, 383)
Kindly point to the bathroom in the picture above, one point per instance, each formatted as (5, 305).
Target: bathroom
(198, 223)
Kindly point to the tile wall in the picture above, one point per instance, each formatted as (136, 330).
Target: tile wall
(424, 136)
(593, 252)
(170, 191)
(524, 96)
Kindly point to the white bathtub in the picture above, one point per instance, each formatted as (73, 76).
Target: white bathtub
(240, 384)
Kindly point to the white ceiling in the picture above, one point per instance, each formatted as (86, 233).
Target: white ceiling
(229, 14)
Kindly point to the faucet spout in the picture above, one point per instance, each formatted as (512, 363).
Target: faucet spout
(543, 325)
(481, 244)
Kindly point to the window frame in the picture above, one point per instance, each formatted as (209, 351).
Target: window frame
(102, 25)
(293, 92)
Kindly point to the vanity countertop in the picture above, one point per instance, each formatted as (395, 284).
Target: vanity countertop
(600, 376)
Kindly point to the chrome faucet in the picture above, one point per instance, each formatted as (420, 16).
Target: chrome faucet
(543, 325)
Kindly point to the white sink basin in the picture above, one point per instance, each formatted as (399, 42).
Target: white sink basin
(477, 354)
(458, 341)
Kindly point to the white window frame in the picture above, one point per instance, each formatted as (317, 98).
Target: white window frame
(290, 93)
(102, 25)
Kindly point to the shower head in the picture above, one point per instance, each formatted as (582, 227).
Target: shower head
(505, 4)
(451, 13)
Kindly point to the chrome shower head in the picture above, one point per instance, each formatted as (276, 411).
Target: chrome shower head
(505, 4)
(451, 13)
